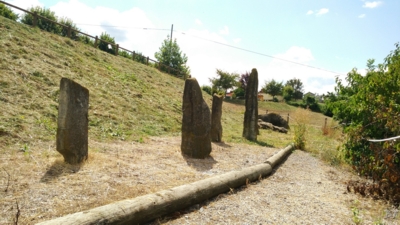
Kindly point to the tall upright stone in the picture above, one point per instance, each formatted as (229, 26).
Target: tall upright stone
(72, 130)
(250, 126)
(196, 122)
(216, 114)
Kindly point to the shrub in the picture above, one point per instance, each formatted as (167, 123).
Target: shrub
(69, 23)
(7, 12)
(207, 89)
(301, 118)
(43, 24)
(104, 43)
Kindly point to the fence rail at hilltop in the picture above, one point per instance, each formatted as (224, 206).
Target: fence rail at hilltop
(160, 66)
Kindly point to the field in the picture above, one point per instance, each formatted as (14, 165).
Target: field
(134, 129)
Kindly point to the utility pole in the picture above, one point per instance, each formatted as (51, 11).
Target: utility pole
(170, 45)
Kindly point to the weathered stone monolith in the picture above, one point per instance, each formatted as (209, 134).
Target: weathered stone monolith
(216, 127)
(250, 126)
(72, 131)
(196, 122)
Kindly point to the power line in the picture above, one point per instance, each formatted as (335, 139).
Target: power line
(139, 28)
(262, 54)
(382, 140)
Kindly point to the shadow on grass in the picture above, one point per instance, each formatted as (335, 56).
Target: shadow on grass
(59, 168)
(200, 164)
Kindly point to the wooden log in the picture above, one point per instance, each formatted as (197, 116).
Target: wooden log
(278, 157)
(149, 207)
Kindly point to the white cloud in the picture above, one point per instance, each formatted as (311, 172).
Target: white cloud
(204, 57)
(372, 5)
(198, 22)
(322, 11)
(310, 12)
(224, 31)
(361, 16)
(122, 25)
(237, 40)
(24, 4)
(314, 80)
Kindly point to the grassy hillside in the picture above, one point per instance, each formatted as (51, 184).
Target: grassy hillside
(128, 100)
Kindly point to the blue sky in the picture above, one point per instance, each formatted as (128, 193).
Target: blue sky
(334, 35)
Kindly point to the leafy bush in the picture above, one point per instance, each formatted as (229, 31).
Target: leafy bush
(69, 23)
(369, 106)
(7, 12)
(105, 46)
(139, 57)
(207, 89)
(43, 24)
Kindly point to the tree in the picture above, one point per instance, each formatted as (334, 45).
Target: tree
(297, 86)
(243, 80)
(104, 46)
(369, 107)
(170, 55)
(239, 92)
(288, 92)
(224, 81)
(7, 12)
(273, 88)
(43, 24)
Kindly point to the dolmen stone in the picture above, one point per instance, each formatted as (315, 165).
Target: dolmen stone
(196, 122)
(216, 127)
(72, 130)
(250, 125)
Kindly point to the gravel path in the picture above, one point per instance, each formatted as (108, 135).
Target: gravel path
(303, 190)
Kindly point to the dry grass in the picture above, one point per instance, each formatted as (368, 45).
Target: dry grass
(130, 103)
(45, 187)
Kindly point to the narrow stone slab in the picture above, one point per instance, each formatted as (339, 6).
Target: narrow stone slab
(216, 127)
(72, 130)
(250, 124)
(196, 122)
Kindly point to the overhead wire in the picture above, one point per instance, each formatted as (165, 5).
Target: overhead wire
(220, 43)
(262, 54)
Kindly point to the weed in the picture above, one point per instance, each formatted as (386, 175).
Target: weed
(356, 215)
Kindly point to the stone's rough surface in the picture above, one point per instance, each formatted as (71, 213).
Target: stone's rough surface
(275, 119)
(250, 126)
(216, 127)
(196, 122)
(72, 131)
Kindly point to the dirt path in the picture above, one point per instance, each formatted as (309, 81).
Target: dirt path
(303, 190)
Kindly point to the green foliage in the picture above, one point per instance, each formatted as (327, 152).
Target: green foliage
(224, 81)
(104, 44)
(297, 86)
(239, 92)
(172, 59)
(7, 12)
(43, 24)
(369, 107)
(207, 89)
(273, 87)
(288, 92)
(85, 39)
(69, 23)
(139, 57)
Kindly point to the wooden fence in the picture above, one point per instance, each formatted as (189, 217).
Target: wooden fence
(158, 65)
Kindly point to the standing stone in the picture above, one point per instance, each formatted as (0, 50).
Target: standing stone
(72, 131)
(250, 126)
(196, 122)
(216, 127)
